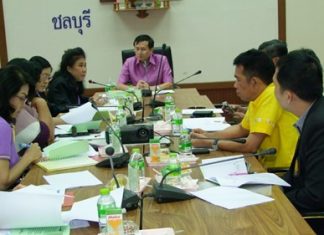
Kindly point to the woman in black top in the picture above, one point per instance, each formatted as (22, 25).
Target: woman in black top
(66, 88)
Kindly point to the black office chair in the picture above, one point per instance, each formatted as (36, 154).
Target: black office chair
(158, 50)
(315, 220)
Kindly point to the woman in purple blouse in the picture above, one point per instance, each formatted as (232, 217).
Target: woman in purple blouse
(14, 91)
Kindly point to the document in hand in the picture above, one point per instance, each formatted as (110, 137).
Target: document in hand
(207, 124)
(81, 114)
(27, 210)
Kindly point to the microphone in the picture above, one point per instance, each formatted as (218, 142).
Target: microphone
(192, 75)
(136, 105)
(120, 159)
(154, 102)
(269, 151)
(130, 119)
(130, 199)
(167, 193)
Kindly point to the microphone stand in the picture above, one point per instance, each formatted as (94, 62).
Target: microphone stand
(120, 159)
(154, 103)
(130, 199)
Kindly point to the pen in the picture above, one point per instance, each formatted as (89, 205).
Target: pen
(24, 145)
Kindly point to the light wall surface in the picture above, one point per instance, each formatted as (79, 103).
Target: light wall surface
(305, 25)
(204, 34)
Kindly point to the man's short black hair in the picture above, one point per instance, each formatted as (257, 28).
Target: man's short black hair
(144, 38)
(256, 63)
(274, 48)
(301, 72)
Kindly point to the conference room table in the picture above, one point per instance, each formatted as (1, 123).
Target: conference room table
(196, 216)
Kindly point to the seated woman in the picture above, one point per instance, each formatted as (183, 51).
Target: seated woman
(14, 91)
(45, 76)
(66, 88)
(34, 122)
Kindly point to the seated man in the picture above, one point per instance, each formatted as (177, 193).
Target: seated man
(275, 49)
(265, 124)
(145, 69)
(299, 88)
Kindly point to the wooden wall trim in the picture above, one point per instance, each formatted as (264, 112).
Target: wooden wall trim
(282, 20)
(208, 85)
(3, 41)
(217, 92)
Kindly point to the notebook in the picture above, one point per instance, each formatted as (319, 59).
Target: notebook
(66, 154)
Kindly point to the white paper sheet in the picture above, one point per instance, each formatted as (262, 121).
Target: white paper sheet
(27, 210)
(236, 166)
(231, 198)
(87, 209)
(81, 114)
(207, 124)
(62, 129)
(72, 180)
(190, 111)
(257, 178)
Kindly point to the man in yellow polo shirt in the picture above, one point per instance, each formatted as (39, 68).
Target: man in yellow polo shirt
(265, 124)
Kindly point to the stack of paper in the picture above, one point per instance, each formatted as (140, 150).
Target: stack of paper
(30, 210)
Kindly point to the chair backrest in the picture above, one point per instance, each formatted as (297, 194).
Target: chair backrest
(157, 50)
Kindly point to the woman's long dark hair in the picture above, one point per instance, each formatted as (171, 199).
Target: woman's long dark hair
(12, 78)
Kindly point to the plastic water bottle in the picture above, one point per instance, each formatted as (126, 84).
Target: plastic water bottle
(177, 122)
(113, 139)
(169, 107)
(185, 145)
(136, 170)
(104, 204)
(121, 116)
(173, 165)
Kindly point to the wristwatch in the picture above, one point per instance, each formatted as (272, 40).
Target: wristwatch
(215, 145)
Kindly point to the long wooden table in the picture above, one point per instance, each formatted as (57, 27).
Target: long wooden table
(196, 216)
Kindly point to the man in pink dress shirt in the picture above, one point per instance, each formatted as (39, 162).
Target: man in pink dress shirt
(145, 69)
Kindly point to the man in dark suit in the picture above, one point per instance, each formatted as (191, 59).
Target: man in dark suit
(298, 88)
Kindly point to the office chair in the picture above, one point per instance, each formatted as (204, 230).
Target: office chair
(315, 220)
(157, 50)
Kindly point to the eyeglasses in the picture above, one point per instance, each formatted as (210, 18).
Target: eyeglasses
(22, 99)
(45, 77)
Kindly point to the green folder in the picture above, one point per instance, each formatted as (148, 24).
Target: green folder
(65, 148)
(61, 230)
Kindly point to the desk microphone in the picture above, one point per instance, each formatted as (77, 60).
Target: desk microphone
(167, 193)
(181, 80)
(136, 105)
(130, 199)
(120, 159)
(155, 103)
